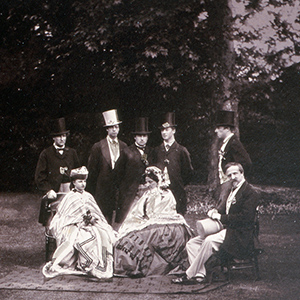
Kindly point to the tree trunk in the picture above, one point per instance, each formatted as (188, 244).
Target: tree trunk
(220, 19)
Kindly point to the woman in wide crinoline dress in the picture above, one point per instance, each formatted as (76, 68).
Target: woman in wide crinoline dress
(151, 240)
(84, 238)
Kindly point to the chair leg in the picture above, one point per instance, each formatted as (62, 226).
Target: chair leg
(47, 244)
(256, 268)
(50, 244)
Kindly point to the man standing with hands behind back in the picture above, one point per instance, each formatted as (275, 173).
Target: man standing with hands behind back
(231, 150)
(137, 157)
(175, 162)
(102, 166)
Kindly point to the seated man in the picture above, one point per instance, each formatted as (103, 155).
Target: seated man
(236, 211)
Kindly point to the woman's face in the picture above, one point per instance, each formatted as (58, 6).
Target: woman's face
(79, 184)
(150, 183)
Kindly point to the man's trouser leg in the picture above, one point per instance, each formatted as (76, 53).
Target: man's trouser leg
(204, 249)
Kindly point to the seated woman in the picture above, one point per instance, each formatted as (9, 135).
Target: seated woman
(153, 236)
(84, 238)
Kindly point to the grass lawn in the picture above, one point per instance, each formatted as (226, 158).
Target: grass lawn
(22, 244)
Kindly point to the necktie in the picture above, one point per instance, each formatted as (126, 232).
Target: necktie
(167, 147)
(114, 149)
(230, 200)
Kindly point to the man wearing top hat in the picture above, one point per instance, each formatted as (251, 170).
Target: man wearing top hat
(135, 160)
(102, 166)
(231, 149)
(175, 162)
(55, 163)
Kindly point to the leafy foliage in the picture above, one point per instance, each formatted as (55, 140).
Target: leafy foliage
(78, 58)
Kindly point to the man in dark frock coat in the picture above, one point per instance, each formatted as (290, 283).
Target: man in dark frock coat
(231, 149)
(236, 211)
(175, 162)
(136, 158)
(55, 164)
(103, 166)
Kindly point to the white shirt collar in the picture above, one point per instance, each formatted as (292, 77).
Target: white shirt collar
(239, 186)
(170, 144)
(59, 148)
(228, 138)
(111, 140)
(231, 198)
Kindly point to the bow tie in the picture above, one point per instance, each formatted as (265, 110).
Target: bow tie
(141, 147)
(60, 150)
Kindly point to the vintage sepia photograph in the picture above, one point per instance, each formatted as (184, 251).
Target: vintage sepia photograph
(150, 149)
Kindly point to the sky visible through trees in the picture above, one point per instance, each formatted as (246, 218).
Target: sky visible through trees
(79, 58)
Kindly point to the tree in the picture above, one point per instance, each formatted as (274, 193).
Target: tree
(191, 56)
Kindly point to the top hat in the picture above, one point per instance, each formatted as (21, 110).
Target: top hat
(79, 173)
(59, 127)
(169, 120)
(111, 118)
(141, 126)
(225, 118)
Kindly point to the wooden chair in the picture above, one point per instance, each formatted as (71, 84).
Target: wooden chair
(250, 262)
(49, 210)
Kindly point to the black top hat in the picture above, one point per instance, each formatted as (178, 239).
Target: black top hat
(141, 126)
(225, 118)
(168, 121)
(59, 127)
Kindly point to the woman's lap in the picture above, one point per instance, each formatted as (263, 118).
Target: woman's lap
(154, 250)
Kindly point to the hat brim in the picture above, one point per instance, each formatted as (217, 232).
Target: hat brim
(164, 127)
(59, 133)
(224, 125)
(141, 132)
(110, 125)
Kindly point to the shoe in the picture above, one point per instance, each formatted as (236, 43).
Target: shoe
(184, 280)
(200, 279)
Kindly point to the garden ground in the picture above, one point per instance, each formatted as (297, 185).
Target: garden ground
(22, 248)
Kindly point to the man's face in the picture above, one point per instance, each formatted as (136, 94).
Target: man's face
(141, 139)
(113, 131)
(60, 140)
(79, 184)
(235, 175)
(167, 133)
(222, 132)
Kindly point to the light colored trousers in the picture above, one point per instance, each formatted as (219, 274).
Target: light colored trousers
(200, 250)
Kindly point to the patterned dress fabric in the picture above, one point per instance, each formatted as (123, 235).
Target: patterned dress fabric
(152, 238)
(84, 239)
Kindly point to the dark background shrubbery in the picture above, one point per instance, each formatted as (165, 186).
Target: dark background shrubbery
(77, 59)
(270, 135)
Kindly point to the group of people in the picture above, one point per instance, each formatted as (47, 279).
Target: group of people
(145, 189)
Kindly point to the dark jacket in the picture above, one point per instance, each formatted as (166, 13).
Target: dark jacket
(101, 181)
(235, 152)
(180, 170)
(131, 169)
(239, 221)
(53, 168)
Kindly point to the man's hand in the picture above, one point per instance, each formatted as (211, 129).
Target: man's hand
(51, 194)
(211, 212)
(216, 216)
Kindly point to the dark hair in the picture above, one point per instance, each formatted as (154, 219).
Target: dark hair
(236, 164)
(151, 175)
(72, 179)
